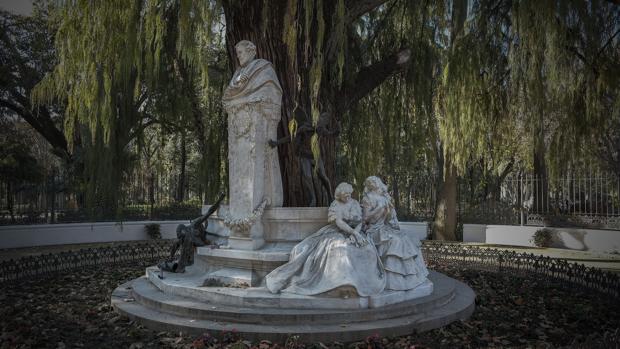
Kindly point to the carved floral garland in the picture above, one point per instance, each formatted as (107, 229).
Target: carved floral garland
(244, 224)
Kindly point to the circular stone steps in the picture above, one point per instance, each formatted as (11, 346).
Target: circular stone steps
(190, 284)
(139, 299)
(146, 293)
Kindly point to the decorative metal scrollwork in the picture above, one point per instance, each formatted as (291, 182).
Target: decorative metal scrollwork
(435, 253)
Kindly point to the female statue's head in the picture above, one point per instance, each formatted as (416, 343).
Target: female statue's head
(246, 51)
(374, 184)
(343, 192)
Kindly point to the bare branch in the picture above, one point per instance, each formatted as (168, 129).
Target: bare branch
(609, 41)
(368, 78)
(43, 124)
(357, 8)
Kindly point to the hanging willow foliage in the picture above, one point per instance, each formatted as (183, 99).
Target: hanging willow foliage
(471, 98)
(514, 72)
(88, 76)
(339, 33)
(533, 67)
(316, 70)
(105, 47)
(290, 30)
(561, 69)
(387, 132)
(483, 94)
(113, 57)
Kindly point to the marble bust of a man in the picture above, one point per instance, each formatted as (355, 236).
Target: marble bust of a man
(253, 101)
(255, 80)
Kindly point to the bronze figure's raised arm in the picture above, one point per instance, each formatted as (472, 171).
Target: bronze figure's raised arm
(189, 236)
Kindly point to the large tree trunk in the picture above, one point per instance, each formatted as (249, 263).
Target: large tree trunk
(182, 169)
(540, 184)
(263, 23)
(445, 209)
(445, 212)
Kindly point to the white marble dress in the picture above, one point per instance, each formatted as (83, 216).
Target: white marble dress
(328, 260)
(400, 252)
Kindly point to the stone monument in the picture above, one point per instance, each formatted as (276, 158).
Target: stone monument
(268, 280)
(253, 101)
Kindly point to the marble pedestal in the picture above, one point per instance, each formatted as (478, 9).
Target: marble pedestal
(224, 290)
(179, 303)
(242, 261)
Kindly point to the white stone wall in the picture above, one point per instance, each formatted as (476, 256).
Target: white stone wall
(474, 232)
(571, 238)
(14, 236)
(419, 229)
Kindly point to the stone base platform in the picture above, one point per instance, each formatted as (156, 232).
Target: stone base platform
(176, 303)
(193, 284)
(240, 267)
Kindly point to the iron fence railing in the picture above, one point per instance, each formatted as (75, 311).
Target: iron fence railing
(56, 200)
(475, 257)
(574, 200)
(577, 200)
(46, 264)
(523, 264)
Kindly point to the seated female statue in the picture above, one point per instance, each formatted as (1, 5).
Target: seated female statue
(400, 252)
(337, 257)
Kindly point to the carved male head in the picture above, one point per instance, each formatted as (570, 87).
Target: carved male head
(246, 51)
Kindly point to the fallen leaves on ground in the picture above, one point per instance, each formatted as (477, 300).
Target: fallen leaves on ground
(72, 310)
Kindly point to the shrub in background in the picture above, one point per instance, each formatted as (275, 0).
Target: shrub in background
(543, 237)
(153, 231)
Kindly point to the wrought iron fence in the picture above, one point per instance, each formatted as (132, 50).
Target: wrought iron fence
(584, 200)
(524, 264)
(153, 198)
(418, 203)
(576, 200)
(46, 264)
(570, 200)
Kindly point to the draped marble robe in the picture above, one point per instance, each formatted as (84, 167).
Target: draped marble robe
(253, 101)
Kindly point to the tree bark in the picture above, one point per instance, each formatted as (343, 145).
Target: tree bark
(445, 212)
(540, 168)
(42, 122)
(182, 167)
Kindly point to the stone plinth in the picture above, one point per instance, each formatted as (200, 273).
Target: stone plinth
(252, 101)
(280, 224)
(240, 261)
(193, 284)
(224, 290)
(180, 303)
(240, 267)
